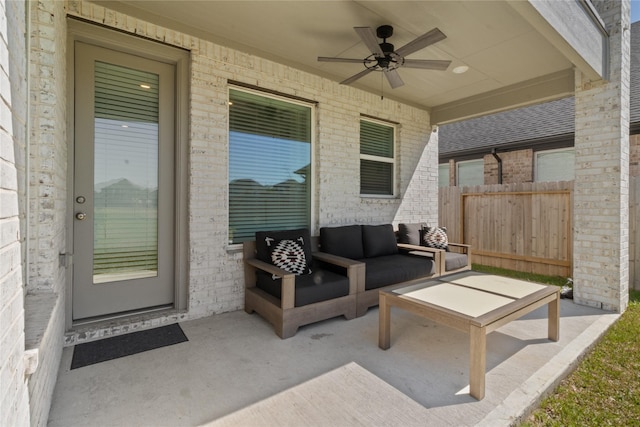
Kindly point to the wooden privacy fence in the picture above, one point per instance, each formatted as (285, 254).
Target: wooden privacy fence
(524, 227)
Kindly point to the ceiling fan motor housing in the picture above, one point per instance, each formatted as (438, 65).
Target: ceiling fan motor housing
(384, 31)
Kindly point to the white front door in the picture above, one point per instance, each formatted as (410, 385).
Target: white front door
(124, 183)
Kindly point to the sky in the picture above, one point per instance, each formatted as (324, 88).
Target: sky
(635, 10)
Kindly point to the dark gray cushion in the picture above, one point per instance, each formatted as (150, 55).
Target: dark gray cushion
(453, 261)
(390, 269)
(344, 241)
(379, 240)
(321, 285)
(410, 233)
(287, 249)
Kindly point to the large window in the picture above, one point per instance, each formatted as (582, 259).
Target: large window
(443, 175)
(377, 162)
(269, 164)
(555, 165)
(470, 172)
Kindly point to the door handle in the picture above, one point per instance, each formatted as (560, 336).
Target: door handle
(80, 216)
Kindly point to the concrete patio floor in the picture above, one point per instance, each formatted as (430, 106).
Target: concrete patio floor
(234, 370)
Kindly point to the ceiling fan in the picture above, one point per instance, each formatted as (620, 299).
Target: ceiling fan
(384, 58)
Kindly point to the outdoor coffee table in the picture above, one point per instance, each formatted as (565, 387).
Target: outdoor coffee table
(471, 302)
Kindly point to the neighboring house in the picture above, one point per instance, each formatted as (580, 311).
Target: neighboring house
(529, 144)
(124, 126)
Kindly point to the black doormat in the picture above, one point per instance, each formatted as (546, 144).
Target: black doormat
(126, 345)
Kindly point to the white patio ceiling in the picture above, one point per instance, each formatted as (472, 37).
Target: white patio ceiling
(518, 52)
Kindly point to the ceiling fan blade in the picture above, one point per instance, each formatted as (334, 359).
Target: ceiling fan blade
(332, 59)
(421, 42)
(394, 78)
(356, 77)
(426, 64)
(369, 38)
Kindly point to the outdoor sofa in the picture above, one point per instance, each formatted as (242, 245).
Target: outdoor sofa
(293, 279)
(387, 263)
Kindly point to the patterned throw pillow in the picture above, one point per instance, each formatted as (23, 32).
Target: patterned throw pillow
(288, 255)
(435, 237)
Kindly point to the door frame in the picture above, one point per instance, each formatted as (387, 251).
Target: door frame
(131, 44)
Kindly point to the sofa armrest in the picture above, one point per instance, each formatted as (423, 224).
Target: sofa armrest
(355, 269)
(438, 255)
(463, 246)
(288, 290)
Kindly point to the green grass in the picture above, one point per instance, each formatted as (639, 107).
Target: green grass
(540, 278)
(604, 390)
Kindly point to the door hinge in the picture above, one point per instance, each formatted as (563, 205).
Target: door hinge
(65, 259)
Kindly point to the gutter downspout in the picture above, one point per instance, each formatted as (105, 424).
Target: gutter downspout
(499, 160)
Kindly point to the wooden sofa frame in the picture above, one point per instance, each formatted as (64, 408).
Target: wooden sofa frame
(282, 313)
(460, 248)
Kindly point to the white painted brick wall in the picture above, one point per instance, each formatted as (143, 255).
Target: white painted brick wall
(45, 302)
(601, 189)
(215, 271)
(14, 401)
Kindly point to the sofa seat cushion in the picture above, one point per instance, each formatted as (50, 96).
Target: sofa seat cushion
(320, 285)
(453, 261)
(379, 240)
(391, 269)
(344, 241)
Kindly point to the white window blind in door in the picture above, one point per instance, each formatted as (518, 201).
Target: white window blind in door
(125, 173)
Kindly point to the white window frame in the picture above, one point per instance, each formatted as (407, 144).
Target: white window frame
(372, 158)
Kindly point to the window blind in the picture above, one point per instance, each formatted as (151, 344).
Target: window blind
(125, 173)
(376, 158)
(269, 165)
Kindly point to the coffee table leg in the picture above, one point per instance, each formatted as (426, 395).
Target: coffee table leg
(477, 355)
(384, 328)
(554, 319)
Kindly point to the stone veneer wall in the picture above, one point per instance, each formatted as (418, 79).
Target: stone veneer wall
(601, 187)
(14, 398)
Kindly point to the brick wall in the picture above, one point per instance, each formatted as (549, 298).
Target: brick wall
(14, 402)
(517, 167)
(601, 187)
(215, 269)
(46, 231)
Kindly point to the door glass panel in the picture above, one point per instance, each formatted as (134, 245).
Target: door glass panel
(125, 174)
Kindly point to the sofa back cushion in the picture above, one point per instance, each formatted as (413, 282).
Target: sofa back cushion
(410, 233)
(289, 249)
(379, 240)
(344, 241)
(435, 237)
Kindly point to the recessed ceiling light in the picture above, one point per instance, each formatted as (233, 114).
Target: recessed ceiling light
(461, 69)
(145, 86)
